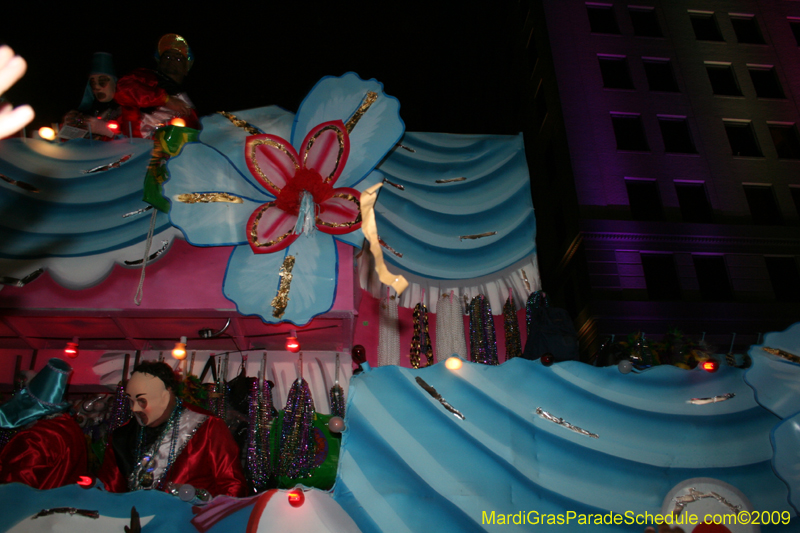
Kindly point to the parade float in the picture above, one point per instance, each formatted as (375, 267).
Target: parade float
(328, 226)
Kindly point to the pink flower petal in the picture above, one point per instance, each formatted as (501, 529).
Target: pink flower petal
(341, 213)
(325, 149)
(269, 229)
(272, 161)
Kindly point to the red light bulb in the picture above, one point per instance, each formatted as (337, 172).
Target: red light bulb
(296, 498)
(710, 366)
(113, 126)
(292, 345)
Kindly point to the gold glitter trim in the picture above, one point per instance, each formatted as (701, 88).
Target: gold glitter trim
(249, 128)
(208, 197)
(251, 154)
(339, 137)
(281, 299)
(369, 99)
(451, 180)
(254, 229)
(477, 236)
(348, 197)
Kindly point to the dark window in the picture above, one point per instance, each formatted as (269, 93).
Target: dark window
(763, 207)
(712, 276)
(660, 76)
(786, 141)
(723, 80)
(795, 25)
(677, 139)
(661, 277)
(644, 200)
(742, 139)
(765, 80)
(602, 19)
(705, 27)
(747, 31)
(784, 278)
(645, 22)
(796, 198)
(629, 133)
(694, 203)
(615, 72)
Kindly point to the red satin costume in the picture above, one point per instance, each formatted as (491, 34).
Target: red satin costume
(49, 454)
(209, 461)
(140, 90)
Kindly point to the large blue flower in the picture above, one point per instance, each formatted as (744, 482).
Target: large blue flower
(214, 194)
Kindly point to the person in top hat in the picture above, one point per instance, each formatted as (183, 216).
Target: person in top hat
(152, 98)
(98, 106)
(169, 443)
(46, 448)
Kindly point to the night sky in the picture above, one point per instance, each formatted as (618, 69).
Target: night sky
(454, 66)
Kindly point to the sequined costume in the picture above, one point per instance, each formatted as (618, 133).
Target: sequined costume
(142, 95)
(205, 456)
(48, 454)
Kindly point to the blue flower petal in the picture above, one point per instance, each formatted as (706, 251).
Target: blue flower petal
(376, 133)
(201, 169)
(252, 280)
(223, 135)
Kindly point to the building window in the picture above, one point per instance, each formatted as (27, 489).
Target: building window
(723, 80)
(694, 203)
(615, 72)
(746, 29)
(661, 276)
(629, 132)
(786, 141)
(660, 76)
(602, 18)
(645, 22)
(712, 277)
(742, 138)
(784, 278)
(794, 24)
(765, 81)
(763, 206)
(644, 200)
(677, 139)
(705, 26)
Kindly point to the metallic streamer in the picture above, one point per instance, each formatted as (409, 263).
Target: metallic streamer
(561, 422)
(21, 184)
(138, 211)
(281, 299)
(482, 341)
(164, 246)
(104, 168)
(14, 282)
(433, 392)
(404, 147)
(511, 327)
(395, 185)
(297, 444)
(337, 394)
(694, 495)
(208, 197)
(451, 180)
(368, 100)
(477, 235)
(395, 252)
(714, 399)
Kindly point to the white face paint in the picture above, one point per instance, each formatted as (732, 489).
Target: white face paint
(103, 87)
(150, 399)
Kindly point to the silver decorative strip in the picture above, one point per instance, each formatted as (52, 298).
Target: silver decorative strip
(21, 184)
(14, 282)
(478, 235)
(164, 245)
(451, 180)
(138, 211)
(104, 168)
(404, 147)
(395, 185)
(430, 390)
(694, 495)
(714, 399)
(561, 422)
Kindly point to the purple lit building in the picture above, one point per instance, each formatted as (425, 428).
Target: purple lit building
(663, 143)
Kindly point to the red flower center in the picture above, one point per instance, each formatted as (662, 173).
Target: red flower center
(304, 180)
